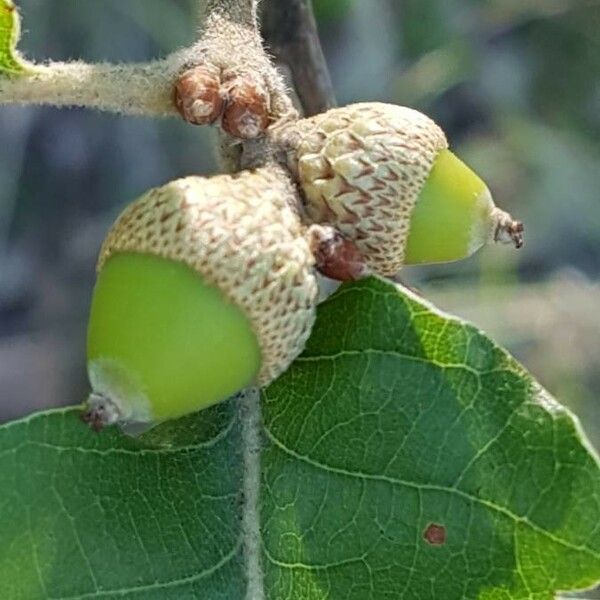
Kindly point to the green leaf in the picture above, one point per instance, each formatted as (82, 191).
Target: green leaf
(404, 456)
(108, 516)
(10, 31)
(397, 418)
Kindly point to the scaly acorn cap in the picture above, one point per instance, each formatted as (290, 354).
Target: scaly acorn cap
(362, 168)
(240, 234)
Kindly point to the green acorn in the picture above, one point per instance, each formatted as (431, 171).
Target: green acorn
(383, 176)
(205, 286)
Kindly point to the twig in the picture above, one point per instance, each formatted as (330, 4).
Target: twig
(231, 58)
(134, 89)
(242, 12)
(229, 40)
(290, 30)
(251, 425)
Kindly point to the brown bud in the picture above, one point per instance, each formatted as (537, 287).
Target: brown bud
(336, 257)
(198, 96)
(247, 113)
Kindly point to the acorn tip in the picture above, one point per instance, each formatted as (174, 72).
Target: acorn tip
(100, 412)
(508, 230)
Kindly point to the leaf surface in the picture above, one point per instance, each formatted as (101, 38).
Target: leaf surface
(109, 516)
(404, 455)
(410, 457)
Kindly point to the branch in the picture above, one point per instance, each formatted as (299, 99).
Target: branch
(135, 89)
(290, 29)
(235, 83)
(231, 42)
(242, 12)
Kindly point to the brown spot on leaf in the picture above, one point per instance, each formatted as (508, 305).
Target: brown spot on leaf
(435, 534)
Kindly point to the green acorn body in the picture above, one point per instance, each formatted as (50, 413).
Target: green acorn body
(454, 214)
(383, 176)
(205, 286)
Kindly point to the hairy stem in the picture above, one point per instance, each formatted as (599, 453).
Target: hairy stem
(250, 418)
(134, 89)
(243, 12)
(231, 42)
(230, 34)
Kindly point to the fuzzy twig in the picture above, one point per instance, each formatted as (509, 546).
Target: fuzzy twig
(242, 12)
(134, 89)
(231, 41)
(229, 34)
(254, 92)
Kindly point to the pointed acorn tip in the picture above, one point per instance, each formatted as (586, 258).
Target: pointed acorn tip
(507, 230)
(100, 412)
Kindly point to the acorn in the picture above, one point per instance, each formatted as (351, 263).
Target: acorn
(384, 177)
(204, 286)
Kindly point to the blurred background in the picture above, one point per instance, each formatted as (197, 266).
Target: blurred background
(515, 83)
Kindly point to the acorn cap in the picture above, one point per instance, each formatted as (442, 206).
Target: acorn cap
(362, 168)
(239, 233)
